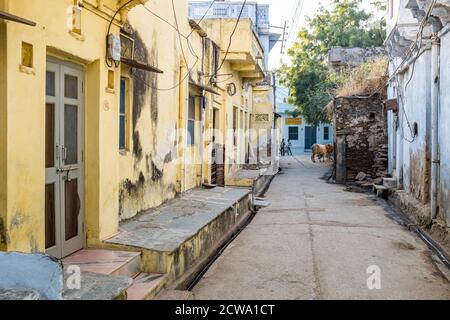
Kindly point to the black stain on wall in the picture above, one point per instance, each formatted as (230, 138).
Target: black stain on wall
(156, 173)
(137, 147)
(130, 189)
(2, 233)
(143, 83)
(168, 158)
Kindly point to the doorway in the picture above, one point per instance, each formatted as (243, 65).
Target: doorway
(217, 156)
(64, 170)
(310, 137)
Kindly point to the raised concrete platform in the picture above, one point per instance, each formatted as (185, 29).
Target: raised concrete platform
(174, 236)
(256, 179)
(109, 262)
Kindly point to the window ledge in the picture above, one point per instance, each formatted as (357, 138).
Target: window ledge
(111, 91)
(27, 70)
(77, 36)
(123, 152)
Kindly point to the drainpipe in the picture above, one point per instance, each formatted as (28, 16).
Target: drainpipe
(435, 167)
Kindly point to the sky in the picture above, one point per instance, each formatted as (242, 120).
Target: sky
(283, 10)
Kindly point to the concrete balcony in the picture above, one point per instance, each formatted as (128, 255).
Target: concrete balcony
(246, 54)
(440, 15)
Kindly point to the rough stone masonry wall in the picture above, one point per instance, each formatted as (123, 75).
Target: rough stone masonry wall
(362, 121)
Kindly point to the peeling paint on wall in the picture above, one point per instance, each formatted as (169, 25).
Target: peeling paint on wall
(18, 220)
(129, 189)
(420, 175)
(34, 247)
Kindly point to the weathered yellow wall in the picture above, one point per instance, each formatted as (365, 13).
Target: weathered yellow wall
(25, 171)
(262, 105)
(219, 31)
(157, 163)
(148, 170)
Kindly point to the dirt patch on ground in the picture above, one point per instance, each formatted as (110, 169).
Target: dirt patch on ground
(403, 245)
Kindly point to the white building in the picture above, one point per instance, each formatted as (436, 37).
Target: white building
(419, 105)
(301, 134)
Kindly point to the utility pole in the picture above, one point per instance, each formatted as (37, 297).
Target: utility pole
(283, 39)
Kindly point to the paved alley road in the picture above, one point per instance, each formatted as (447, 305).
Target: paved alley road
(316, 241)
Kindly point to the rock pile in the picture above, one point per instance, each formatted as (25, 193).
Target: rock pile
(380, 162)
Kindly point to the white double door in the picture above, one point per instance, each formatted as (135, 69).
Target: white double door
(64, 163)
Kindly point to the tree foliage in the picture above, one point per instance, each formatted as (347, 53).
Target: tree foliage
(310, 82)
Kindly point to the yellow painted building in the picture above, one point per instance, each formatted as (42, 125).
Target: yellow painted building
(87, 141)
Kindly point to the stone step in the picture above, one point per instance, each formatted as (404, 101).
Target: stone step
(380, 190)
(97, 286)
(107, 262)
(390, 183)
(146, 286)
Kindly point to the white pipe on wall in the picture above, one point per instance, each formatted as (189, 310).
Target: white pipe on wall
(435, 167)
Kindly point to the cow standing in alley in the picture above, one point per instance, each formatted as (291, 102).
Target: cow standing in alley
(322, 152)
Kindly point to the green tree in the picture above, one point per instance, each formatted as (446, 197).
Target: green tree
(308, 78)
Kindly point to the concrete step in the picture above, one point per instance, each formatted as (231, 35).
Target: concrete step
(390, 183)
(107, 262)
(381, 191)
(96, 286)
(146, 286)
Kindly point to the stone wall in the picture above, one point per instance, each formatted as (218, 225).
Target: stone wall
(352, 57)
(361, 132)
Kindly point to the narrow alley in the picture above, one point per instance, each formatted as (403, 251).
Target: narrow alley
(316, 241)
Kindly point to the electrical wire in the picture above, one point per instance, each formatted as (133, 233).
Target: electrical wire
(416, 45)
(110, 65)
(295, 22)
(230, 42)
(203, 17)
(400, 93)
(109, 32)
(419, 35)
(183, 54)
(180, 35)
(191, 49)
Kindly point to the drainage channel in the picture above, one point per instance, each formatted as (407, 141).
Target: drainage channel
(219, 252)
(403, 220)
(233, 237)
